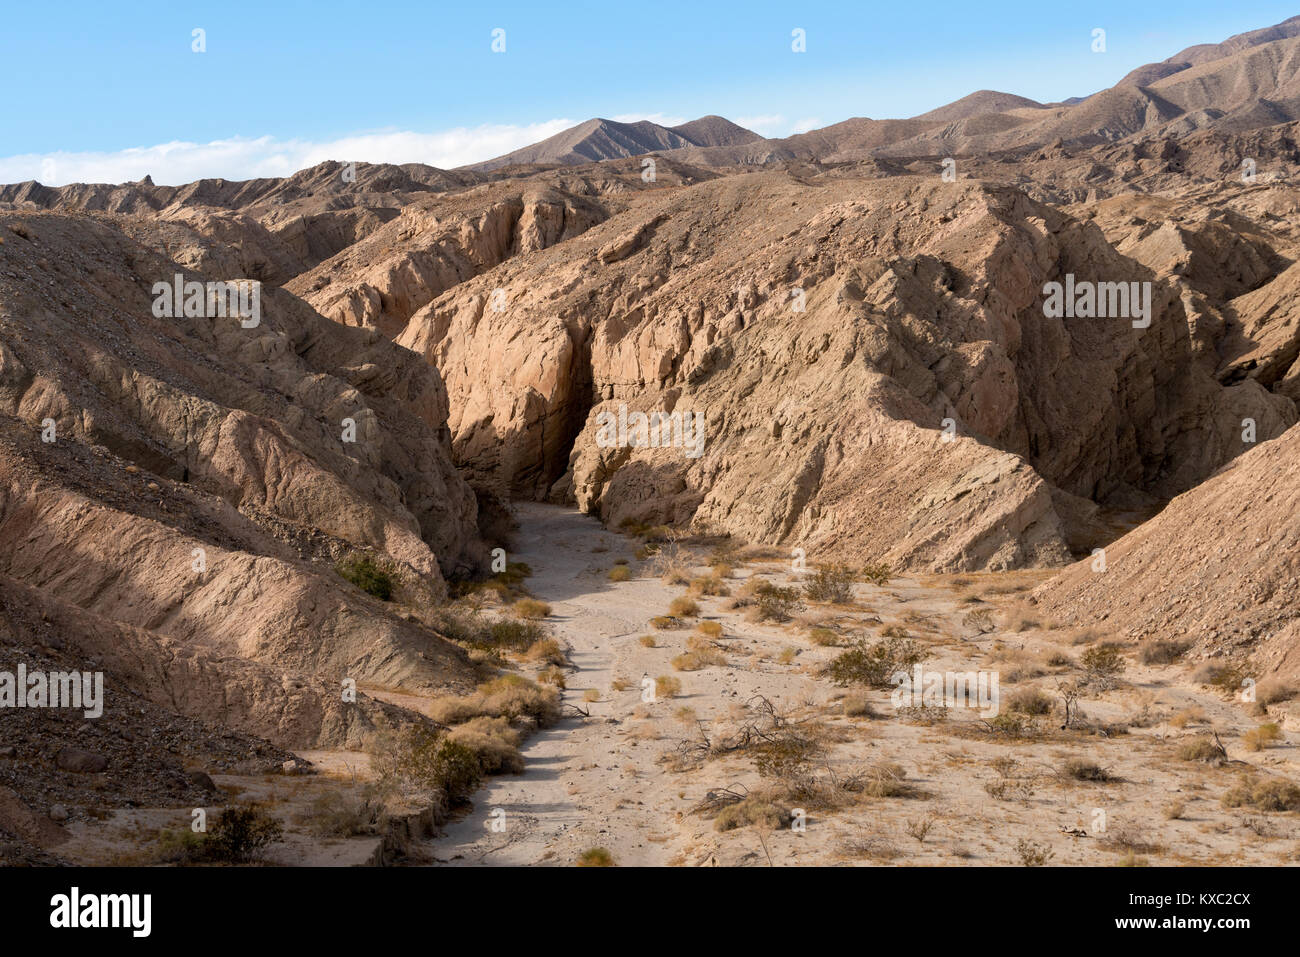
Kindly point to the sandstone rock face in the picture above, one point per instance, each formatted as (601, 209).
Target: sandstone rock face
(825, 332)
(435, 244)
(194, 488)
(1218, 567)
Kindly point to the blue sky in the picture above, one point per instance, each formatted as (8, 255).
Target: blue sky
(104, 93)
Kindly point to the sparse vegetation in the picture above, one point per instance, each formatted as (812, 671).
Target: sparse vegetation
(620, 573)
(1203, 748)
(775, 603)
(423, 760)
(683, 607)
(666, 686)
(531, 609)
(1081, 769)
(1161, 651)
(832, 584)
(710, 629)
(364, 572)
(595, 857)
(1102, 665)
(1259, 738)
(874, 664)
(825, 637)
(876, 573)
(1033, 854)
(1263, 794)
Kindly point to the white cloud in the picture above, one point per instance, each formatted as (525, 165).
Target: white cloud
(175, 163)
(806, 124)
(771, 124)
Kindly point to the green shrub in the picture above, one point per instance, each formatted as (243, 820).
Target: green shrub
(238, 834)
(1102, 664)
(874, 665)
(362, 571)
(776, 603)
(595, 857)
(426, 760)
(876, 573)
(830, 583)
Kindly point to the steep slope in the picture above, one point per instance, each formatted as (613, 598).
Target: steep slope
(435, 244)
(1218, 567)
(922, 302)
(600, 139)
(183, 487)
(1207, 52)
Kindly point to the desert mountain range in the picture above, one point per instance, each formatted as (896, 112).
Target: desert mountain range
(864, 337)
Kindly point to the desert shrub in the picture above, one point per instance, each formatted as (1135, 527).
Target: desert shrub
(493, 742)
(366, 574)
(1203, 748)
(701, 655)
(1082, 769)
(980, 619)
(531, 608)
(752, 810)
(672, 562)
(591, 695)
(647, 641)
(787, 655)
(875, 664)
(1030, 701)
(721, 570)
(1186, 716)
(664, 623)
(1174, 810)
(509, 696)
(553, 676)
(666, 686)
(548, 650)
(424, 760)
(1263, 794)
(1012, 724)
(709, 586)
(886, 780)
(1257, 739)
(337, 814)
(620, 573)
(595, 857)
(239, 834)
(824, 637)
(710, 629)
(876, 573)
(1033, 854)
(1102, 664)
(683, 607)
(1225, 676)
(180, 845)
(1161, 651)
(855, 704)
(830, 583)
(503, 634)
(775, 603)
(1274, 691)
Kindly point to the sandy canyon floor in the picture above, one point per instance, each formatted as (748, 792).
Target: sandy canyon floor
(880, 785)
